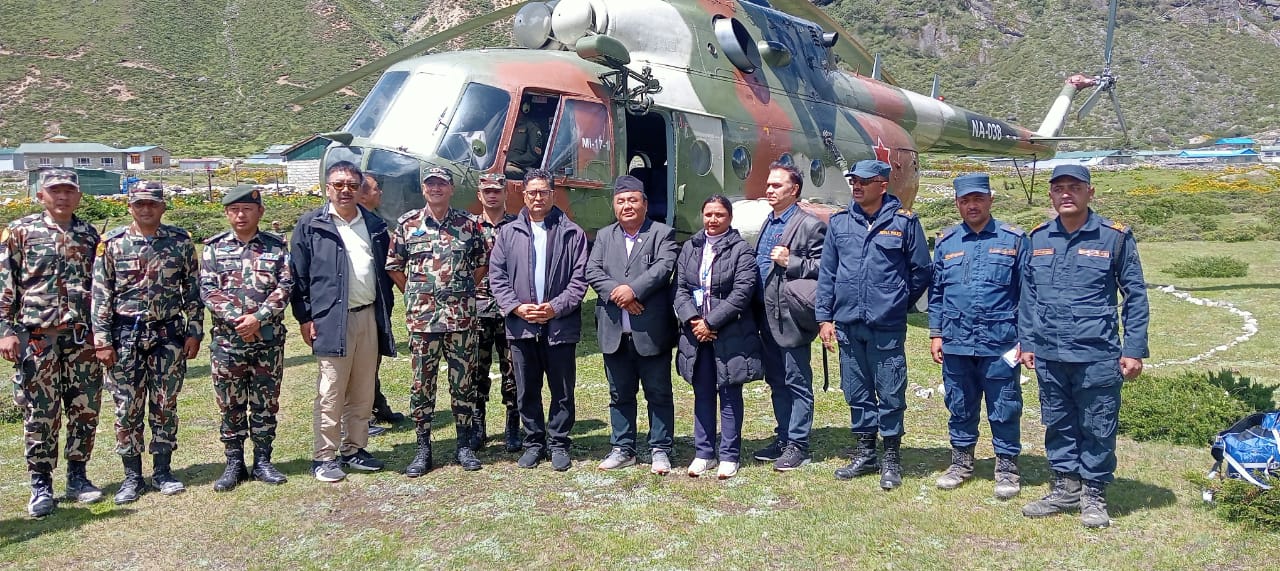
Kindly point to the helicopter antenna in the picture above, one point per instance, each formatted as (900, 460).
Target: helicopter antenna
(936, 92)
(1106, 82)
(875, 69)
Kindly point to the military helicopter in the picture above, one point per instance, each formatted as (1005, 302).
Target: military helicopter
(694, 97)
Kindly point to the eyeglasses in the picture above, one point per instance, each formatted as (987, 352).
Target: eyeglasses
(537, 193)
(345, 185)
(865, 181)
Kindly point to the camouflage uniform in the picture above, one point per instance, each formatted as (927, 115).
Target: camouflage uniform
(492, 331)
(45, 274)
(146, 303)
(439, 259)
(237, 278)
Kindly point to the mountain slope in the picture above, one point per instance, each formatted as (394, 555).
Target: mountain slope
(214, 77)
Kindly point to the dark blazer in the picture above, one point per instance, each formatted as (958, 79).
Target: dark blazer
(726, 309)
(319, 264)
(648, 271)
(511, 276)
(785, 303)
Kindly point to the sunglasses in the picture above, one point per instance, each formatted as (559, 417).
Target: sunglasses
(538, 193)
(865, 181)
(345, 185)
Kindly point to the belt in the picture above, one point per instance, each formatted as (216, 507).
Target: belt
(118, 320)
(78, 332)
(361, 308)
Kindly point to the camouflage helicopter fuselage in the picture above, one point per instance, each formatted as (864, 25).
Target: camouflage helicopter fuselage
(721, 124)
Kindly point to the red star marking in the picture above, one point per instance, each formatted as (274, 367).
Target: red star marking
(882, 152)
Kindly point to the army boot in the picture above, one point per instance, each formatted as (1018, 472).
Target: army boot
(421, 463)
(512, 433)
(891, 469)
(133, 486)
(163, 475)
(864, 460)
(235, 471)
(961, 468)
(1063, 496)
(466, 456)
(1008, 479)
(263, 470)
(79, 488)
(1093, 506)
(41, 503)
(479, 429)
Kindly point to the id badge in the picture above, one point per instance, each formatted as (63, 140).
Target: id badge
(697, 297)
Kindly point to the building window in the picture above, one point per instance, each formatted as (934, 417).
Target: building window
(83, 161)
(108, 161)
(157, 160)
(46, 162)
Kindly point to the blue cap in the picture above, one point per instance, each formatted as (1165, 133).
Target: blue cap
(972, 183)
(869, 169)
(627, 183)
(1077, 172)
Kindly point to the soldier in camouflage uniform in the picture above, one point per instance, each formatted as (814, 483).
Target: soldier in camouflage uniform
(147, 321)
(245, 282)
(46, 264)
(437, 255)
(492, 330)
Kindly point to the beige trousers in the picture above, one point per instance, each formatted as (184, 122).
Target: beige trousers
(344, 391)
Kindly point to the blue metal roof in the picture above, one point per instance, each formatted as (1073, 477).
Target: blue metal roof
(140, 149)
(1215, 154)
(1235, 141)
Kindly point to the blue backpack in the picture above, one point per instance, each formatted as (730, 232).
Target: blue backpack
(1250, 449)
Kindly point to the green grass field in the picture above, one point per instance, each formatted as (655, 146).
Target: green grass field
(504, 517)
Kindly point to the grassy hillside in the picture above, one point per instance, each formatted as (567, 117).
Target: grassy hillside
(205, 76)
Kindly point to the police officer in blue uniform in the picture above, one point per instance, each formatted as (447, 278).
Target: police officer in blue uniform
(875, 264)
(973, 308)
(1069, 331)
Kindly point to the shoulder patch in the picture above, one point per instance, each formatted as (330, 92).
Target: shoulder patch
(905, 212)
(1042, 226)
(177, 231)
(102, 248)
(406, 216)
(948, 232)
(1012, 229)
(114, 233)
(1118, 227)
(272, 236)
(216, 237)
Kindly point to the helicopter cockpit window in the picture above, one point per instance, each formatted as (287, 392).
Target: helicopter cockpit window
(529, 137)
(476, 126)
(583, 144)
(370, 113)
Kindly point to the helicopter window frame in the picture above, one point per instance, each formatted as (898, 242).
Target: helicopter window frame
(563, 151)
(368, 117)
(469, 122)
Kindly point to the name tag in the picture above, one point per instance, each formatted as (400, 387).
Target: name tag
(1094, 253)
(1042, 252)
(897, 233)
(1004, 251)
(953, 255)
(269, 257)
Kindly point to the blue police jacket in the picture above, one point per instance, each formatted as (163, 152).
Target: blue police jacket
(1069, 286)
(973, 303)
(873, 268)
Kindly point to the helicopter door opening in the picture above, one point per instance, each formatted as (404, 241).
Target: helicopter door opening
(648, 141)
(529, 137)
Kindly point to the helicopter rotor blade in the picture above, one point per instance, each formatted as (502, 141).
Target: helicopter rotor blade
(847, 48)
(1111, 34)
(405, 53)
(1089, 103)
(1115, 102)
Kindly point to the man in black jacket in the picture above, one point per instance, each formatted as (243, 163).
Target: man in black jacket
(341, 297)
(630, 269)
(788, 253)
(536, 276)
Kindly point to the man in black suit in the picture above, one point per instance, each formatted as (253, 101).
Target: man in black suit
(630, 268)
(788, 253)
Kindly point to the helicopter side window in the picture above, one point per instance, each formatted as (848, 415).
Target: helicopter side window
(529, 137)
(582, 148)
(476, 126)
(375, 105)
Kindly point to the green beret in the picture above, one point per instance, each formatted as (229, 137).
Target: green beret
(243, 193)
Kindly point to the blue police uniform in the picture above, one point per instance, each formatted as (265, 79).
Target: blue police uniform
(973, 307)
(873, 268)
(1068, 318)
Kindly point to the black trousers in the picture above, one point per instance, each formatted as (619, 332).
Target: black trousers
(534, 359)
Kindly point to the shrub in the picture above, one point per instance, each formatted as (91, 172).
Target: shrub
(1239, 501)
(9, 412)
(1186, 408)
(1210, 267)
(1258, 396)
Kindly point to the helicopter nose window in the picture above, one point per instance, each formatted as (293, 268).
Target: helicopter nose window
(479, 118)
(376, 104)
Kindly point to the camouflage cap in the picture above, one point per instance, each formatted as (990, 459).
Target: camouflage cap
(50, 178)
(242, 193)
(143, 191)
(437, 172)
(492, 180)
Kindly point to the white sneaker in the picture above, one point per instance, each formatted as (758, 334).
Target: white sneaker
(727, 470)
(700, 466)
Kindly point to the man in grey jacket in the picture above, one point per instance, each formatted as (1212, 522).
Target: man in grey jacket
(536, 276)
(787, 254)
(630, 269)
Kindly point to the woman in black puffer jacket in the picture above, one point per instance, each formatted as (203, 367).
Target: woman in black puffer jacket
(716, 277)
